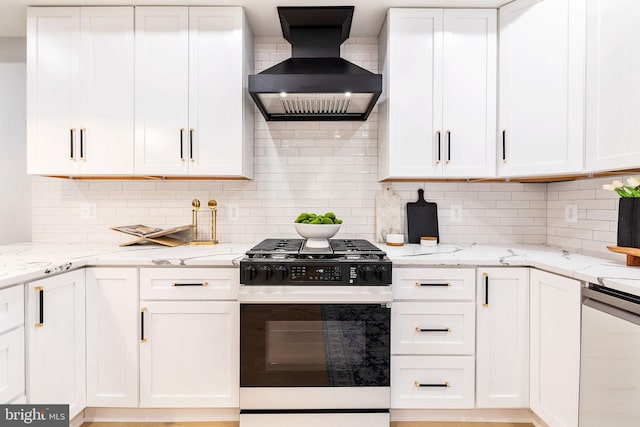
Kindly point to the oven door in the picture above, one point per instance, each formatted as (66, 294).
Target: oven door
(329, 349)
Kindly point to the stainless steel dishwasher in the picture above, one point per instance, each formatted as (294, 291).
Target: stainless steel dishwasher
(610, 358)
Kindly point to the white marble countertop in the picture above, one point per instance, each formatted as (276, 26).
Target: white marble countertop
(25, 262)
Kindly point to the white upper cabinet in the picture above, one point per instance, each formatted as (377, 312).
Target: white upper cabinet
(80, 90)
(542, 60)
(437, 109)
(613, 66)
(193, 115)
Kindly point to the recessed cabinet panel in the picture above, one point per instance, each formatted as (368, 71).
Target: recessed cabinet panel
(541, 127)
(162, 90)
(12, 365)
(53, 90)
(55, 328)
(433, 283)
(189, 357)
(112, 337)
(613, 66)
(433, 328)
(469, 92)
(432, 382)
(502, 344)
(106, 84)
(437, 111)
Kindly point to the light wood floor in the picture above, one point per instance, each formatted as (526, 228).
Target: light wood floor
(235, 424)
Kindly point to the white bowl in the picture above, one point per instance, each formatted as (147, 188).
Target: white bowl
(317, 234)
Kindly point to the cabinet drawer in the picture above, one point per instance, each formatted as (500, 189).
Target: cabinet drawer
(432, 382)
(434, 283)
(433, 328)
(11, 307)
(189, 283)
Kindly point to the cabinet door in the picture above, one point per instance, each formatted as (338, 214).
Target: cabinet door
(189, 355)
(161, 90)
(106, 87)
(541, 87)
(215, 91)
(469, 93)
(613, 66)
(55, 328)
(555, 348)
(11, 365)
(112, 337)
(414, 93)
(53, 39)
(502, 345)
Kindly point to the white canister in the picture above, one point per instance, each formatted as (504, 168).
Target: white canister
(395, 239)
(428, 241)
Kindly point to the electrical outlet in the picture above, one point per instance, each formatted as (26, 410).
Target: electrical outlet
(233, 212)
(571, 214)
(88, 211)
(456, 213)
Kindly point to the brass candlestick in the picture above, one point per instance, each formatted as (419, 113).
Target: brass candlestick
(213, 205)
(195, 205)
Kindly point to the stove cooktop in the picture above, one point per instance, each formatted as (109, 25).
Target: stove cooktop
(297, 249)
(290, 262)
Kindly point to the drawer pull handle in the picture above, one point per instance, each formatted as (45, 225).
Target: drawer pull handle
(190, 284)
(142, 338)
(486, 289)
(418, 384)
(418, 284)
(419, 329)
(40, 291)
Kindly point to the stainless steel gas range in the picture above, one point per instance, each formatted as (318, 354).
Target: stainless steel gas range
(315, 335)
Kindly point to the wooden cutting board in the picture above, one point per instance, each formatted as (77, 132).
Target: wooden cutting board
(422, 219)
(387, 213)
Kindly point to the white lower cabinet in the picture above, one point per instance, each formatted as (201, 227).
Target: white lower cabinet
(433, 338)
(12, 344)
(112, 337)
(432, 382)
(55, 326)
(555, 348)
(502, 345)
(189, 354)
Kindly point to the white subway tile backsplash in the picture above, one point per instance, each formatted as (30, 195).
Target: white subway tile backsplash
(321, 166)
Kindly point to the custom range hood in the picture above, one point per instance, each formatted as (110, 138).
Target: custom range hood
(315, 83)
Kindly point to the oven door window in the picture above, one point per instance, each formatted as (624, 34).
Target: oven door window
(314, 345)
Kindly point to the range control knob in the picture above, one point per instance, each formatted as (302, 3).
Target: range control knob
(365, 273)
(251, 272)
(266, 272)
(381, 273)
(282, 272)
